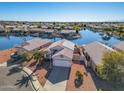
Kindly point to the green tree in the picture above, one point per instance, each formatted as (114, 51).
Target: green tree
(79, 75)
(120, 28)
(39, 55)
(112, 66)
(107, 29)
(24, 57)
(84, 25)
(77, 28)
(79, 79)
(62, 27)
(39, 26)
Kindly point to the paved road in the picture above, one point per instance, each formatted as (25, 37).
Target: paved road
(13, 79)
(57, 79)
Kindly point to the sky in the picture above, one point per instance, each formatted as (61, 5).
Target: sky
(60, 11)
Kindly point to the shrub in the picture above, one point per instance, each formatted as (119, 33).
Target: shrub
(79, 79)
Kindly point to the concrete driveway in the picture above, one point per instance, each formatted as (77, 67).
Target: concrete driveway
(12, 79)
(57, 79)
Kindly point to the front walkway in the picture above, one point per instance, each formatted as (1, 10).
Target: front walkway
(41, 72)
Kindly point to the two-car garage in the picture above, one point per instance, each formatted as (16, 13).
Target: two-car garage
(63, 54)
(63, 58)
(62, 63)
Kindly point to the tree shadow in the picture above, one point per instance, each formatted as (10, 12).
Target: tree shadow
(23, 82)
(41, 65)
(32, 64)
(38, 67)
(14, 70)
(48, 73)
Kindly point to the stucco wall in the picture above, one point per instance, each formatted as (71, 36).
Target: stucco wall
(62, 57)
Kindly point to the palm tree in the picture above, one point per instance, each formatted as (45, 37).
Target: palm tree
(24, 57)
(38, 55)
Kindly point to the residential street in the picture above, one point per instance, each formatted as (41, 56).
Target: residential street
(13, 79)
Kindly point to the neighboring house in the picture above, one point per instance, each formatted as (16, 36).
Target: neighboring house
(44, 27)
(17, 29)
(36, 30)
(33, 45)
(62, 53)
(5, 56)
(68, 27)
(94, 53)
(67, 32)
(119, 46)
(49, 30)
(32, 26)
(1, 28)
(22, 28)
(10, 26)
(57, 27)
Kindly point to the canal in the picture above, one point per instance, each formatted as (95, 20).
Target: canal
(87, 36)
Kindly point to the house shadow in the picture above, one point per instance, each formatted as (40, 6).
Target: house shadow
(58, 74)
(14, 62)
(43, 65)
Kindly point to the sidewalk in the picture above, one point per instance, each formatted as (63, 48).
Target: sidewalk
(34, 81)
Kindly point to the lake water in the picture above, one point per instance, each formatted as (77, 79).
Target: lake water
(87, 36)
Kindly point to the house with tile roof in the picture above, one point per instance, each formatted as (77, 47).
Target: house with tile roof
(33, 45)
(62, 53)
(119, 46)
(94, 53)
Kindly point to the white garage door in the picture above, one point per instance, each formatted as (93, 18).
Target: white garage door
(62, 63)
